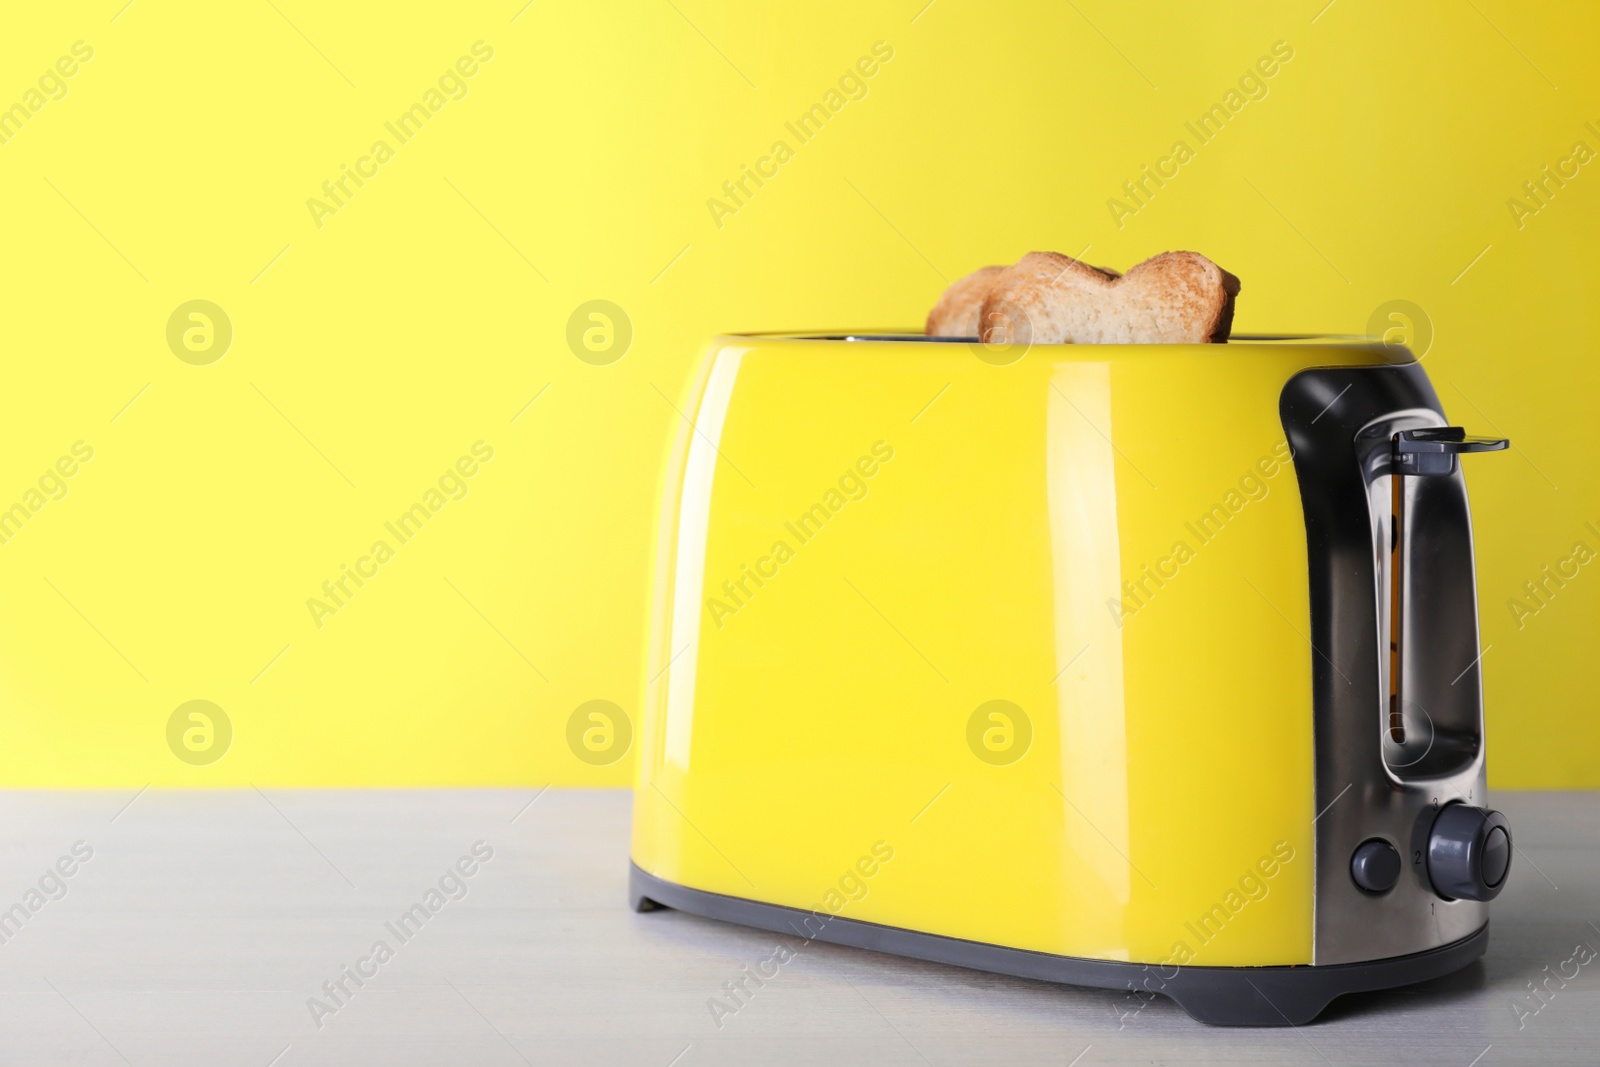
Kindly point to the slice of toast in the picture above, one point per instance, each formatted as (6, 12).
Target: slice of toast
(956, 313)
(1048, 298)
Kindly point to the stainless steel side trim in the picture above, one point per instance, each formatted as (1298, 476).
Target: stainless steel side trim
(1367, 787)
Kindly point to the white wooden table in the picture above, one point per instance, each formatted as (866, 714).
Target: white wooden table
(203, 923)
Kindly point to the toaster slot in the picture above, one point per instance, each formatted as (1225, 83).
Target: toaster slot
(1397, 724)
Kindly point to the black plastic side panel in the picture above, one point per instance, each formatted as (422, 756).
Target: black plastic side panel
(1221, 996)
(1322, 412)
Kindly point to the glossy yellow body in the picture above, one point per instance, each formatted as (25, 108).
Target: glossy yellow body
(1029, 533)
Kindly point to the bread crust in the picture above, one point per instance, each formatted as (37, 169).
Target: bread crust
(1048, 298)
(956, 313)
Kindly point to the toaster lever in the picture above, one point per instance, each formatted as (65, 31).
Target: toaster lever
(1434, 450)
(1430, 451)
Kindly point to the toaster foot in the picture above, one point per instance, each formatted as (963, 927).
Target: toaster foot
(1294, 996)
(1219, 996)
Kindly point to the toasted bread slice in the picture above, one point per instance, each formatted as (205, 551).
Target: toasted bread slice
(1048, 298)
(956, 313)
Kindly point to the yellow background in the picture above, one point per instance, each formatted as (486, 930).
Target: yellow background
(370, 353)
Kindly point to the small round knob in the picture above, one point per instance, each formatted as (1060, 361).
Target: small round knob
(1469, 853)
(1375, 866)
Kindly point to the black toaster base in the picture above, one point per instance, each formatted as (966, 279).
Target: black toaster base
(1220, 996)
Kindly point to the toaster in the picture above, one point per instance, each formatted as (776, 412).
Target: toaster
(1141, 667)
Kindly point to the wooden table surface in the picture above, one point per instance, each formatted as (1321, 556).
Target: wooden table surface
(201, 924)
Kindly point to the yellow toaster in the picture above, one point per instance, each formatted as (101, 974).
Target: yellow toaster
(1149, 667)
